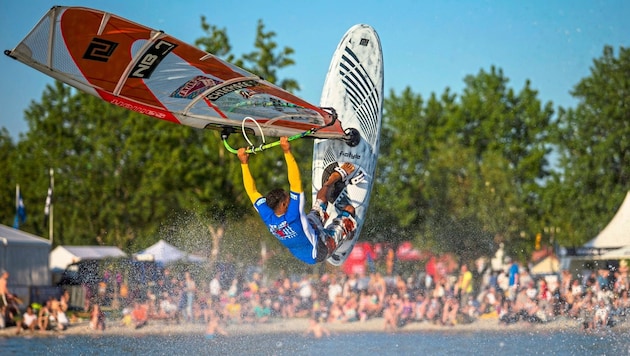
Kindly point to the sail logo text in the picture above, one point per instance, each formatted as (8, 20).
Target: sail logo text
(100, 50)
(151, 59)
(350, 155)
(138, 108)
(220, 91)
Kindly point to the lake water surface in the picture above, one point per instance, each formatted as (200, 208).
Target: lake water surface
(609, 342)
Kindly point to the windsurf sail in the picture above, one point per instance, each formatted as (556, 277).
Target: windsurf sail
(150, 72)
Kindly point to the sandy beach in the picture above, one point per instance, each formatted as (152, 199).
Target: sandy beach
(299, 325)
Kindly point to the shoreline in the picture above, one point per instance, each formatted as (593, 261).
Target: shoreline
(299, 326)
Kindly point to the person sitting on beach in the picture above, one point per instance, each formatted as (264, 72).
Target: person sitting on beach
(530, 311)
(233, 311)
(168, 309)
(622, 305)
(390, 315)
(378, 286)
(139, 315)
(260, 311)
(601, 317)
(335, 312)
(406, 310)
(64, 301)
(97, 318)
(433, 309)
(421, 306)
(28, 321)
(468, 311)
(449, 311)
(58, 316)
(10, 312)
(334, 289)
(368, 306)
(586, 310)
(43, 318)
(491, 300)
(349, 309)
(506, 313)
(126, 317)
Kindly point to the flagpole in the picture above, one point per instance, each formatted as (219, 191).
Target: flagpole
(16, 221)
(50, 216)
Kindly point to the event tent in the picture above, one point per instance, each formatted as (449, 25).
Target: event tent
(617, 233)
(616, 254)
(62, 256)
(164, 253)
(25, 257)
(548, 265)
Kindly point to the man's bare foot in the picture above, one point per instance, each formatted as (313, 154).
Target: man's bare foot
(348, 168)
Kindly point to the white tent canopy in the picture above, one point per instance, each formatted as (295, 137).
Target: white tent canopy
(62, 256)
(164, 253)
(25, 257)
(617, 254)
(548, 265)
(617, 233)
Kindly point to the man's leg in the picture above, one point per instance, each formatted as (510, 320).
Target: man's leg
(342, 227)
(321, 203)
(335, 176)
(322, 247)
(329, 238)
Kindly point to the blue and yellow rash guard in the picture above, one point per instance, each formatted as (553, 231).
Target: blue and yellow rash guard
(291, 229)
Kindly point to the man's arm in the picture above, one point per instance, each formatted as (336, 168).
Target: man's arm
(295, 181)
(248, 180)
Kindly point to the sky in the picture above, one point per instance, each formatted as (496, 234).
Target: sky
(428, 46)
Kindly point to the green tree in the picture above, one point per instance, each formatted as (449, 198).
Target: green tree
(266, 61)
(216, 41)
(464, 171)
(7, 165)
(401, 162)
(508, 133)
(594, 146)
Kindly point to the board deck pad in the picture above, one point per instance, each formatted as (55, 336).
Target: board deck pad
(354, 88)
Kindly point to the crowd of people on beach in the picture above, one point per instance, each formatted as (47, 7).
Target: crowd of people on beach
(597, 300)
(510, 296)
(50, 315)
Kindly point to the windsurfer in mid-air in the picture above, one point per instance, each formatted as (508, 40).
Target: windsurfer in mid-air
(283, 212)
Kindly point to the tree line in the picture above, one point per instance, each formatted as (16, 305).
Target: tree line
(457, 172)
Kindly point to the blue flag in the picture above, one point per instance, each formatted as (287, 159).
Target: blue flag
(20, 214)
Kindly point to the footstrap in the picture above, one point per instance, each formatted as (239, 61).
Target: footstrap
(355, 177)
(358, 177)
(342, 173)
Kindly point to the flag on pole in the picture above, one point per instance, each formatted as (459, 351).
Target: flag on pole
(20, 209)
(49, 198)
